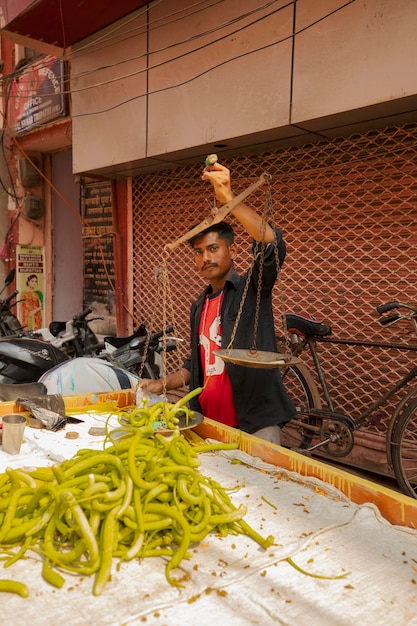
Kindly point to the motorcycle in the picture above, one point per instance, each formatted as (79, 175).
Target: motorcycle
(27, 355)
(75, 337)
(142, 352)
(120, 364)
(9, 323)
(24, 360)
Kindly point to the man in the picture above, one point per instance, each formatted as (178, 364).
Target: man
(252, 399)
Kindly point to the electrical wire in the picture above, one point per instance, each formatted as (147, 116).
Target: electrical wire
(150, 26)
(179, 43)
(127, 20)
(185, 54)
(83, 221)
(10, 190)
(208, 70)
(199, 35)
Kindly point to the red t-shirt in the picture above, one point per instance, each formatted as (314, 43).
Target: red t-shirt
(216, 399)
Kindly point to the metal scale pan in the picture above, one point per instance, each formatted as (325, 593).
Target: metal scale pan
(258, 359)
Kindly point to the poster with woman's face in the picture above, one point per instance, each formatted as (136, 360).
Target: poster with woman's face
(30, 282)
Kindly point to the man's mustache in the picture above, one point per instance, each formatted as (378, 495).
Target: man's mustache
(206, 265)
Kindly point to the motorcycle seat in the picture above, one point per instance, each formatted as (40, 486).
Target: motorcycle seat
(118, 342)
(57, 327)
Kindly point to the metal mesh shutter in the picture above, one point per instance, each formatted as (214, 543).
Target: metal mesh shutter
(348, 208)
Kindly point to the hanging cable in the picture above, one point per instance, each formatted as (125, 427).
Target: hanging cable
(194, 50)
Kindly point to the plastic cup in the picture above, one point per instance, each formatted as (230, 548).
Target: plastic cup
(13, 429)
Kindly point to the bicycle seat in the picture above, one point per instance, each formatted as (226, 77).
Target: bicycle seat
(307, 326)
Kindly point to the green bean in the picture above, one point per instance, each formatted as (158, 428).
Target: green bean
(108, 534)
(184, 456)
(29, 528)
(11, 509)
(184, 542)
(43, 474)
(141, 496)
(228, 518)
(127, 497)
(56, 556)
(82, 526)
(12, 586)
(200, 525)
(51, 576)
(185, 493)
(135, 547)
(20, 476)
(19, 554)
(209, 447)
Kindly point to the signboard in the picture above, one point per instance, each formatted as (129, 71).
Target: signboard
(98, 254)
(37, 95)
(30, 282)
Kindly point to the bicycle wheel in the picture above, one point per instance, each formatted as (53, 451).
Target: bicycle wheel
(404, 450)
(303, 391)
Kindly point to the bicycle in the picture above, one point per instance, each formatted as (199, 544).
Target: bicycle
(316, 426)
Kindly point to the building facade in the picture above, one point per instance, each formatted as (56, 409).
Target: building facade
(320, 95)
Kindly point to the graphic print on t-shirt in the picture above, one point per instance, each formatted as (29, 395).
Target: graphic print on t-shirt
(216, 399)
(210, 342)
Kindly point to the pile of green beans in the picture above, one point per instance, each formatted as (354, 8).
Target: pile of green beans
(142, 496)
(162, 415)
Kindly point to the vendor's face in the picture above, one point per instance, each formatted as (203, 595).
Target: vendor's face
(214, 258)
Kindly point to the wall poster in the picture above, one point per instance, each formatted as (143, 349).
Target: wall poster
(98, 254)
(30, 282)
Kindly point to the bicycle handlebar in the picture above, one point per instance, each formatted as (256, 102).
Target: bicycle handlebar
(389, 306)
(384, 308)
(390, 319)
